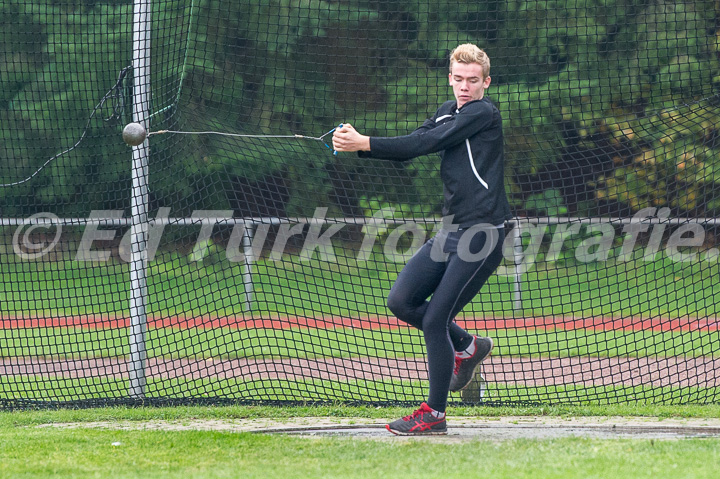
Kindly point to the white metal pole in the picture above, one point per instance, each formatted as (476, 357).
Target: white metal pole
(518, 260)
(139, 200)
(247, 270)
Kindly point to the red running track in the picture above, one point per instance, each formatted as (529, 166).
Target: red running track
(238, 322)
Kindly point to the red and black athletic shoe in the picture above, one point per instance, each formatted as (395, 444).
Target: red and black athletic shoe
(421, 422)
(465, 367)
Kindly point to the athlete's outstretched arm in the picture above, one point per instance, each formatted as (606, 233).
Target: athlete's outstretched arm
(347, 138)
(429, 138)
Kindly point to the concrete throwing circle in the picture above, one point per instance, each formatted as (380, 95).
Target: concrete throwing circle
(459, 428)
(507, 432)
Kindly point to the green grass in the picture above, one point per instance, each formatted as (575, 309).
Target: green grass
(30, 452)
(226, 343)
(190, 454)
(349, 288)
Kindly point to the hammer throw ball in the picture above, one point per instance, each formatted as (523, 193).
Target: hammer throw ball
(134, 134)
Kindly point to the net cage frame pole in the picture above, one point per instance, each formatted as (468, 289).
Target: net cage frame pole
(139, 202)
(517, 264)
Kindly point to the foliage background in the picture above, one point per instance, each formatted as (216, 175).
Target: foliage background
(610, 106)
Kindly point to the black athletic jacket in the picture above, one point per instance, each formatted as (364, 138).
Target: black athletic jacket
(470, 142)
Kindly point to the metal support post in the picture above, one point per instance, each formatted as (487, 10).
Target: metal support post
(518, 261)
(139, 201)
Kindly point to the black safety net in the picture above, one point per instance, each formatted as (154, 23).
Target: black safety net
(233, 256)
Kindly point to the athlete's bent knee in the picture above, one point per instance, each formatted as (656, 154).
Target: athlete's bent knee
(398, 305)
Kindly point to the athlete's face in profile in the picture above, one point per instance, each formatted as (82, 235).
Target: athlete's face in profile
(467, 82)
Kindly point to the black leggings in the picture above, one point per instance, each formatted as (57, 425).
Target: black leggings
(453, 279)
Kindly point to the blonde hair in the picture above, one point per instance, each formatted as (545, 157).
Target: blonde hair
(469, 53)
